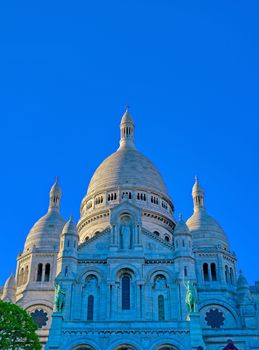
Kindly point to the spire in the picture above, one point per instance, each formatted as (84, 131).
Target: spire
(127, 130)
(55, 196)
(198, 195)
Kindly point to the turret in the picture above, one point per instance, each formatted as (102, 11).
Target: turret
(245, 302)
(198, 195)
(127, 130)
(182, 237)
(9, 290)
(55, 196)
(68, 248)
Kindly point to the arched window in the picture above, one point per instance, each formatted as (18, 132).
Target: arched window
(213, 271)
(156, 233)
(21, 277)
(125, 295)
(26, 274)
(206, 272)
(39, 273)
(90, 308)
(167, 238)
(231, 275)
(227, 274)
(47, 273)
(185, 271)
(161, 307)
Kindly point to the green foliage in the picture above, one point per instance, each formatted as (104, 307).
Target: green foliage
(17, 329)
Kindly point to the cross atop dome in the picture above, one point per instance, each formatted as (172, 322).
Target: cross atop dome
(127, 130)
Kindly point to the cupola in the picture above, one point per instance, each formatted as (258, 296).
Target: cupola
(55, 196)
(127, 130)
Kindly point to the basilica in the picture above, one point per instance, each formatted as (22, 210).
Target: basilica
(129, 275)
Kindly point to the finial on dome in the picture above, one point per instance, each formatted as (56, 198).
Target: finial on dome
(55, 196)
(71, 217)
(127, 130)
(180, 217)
(198, 195)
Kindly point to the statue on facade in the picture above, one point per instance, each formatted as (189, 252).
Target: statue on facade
(59, 301)
(125, 233)
(191, 298)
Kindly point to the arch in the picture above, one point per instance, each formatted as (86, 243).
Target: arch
(40, 304)
(39, 272)
(167, 238)
(156, 233)
(82, 276)
(227, 278)
(151, 275)
(117, 272)
(168, 343)
(213, 270)
(80, 343)
(131, 344)
(223, 305)
(125, 347)
(21, 277)
(205, 269)
(26, 274)
(47, 273)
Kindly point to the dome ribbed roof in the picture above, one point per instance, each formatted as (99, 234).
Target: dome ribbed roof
(181, 228)
(70, 228)
(205, 230)
(127, 167)
(45, 233)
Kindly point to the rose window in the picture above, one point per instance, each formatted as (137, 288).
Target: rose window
(215, 318)
(40, 317)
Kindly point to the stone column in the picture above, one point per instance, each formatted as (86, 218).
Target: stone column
(196, 331)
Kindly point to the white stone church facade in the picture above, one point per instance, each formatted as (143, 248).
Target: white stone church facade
(125, 265)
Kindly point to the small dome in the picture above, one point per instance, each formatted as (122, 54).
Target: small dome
(242, 281)
(181, 228)
(45, 233)
(70, 228)
(127, 168)
(10, 283)
(205, 230)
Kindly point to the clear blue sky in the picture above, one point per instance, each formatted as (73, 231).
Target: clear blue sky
(188, 69)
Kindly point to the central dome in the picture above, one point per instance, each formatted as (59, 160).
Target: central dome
(127, 167)
(126, 175)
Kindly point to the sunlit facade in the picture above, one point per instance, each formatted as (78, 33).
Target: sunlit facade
(125, 264)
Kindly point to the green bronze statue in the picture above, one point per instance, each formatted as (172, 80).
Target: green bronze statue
(191, 298)
(59, 301)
